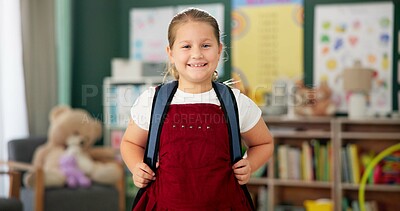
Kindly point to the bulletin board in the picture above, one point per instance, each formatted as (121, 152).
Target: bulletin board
(128, 5)
(338, 32)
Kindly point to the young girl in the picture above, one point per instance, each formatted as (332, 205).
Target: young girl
(194, 171)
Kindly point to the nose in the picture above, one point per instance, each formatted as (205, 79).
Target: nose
(196, 53)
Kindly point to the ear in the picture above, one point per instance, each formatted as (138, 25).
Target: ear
(57, 110)
(170, 57)
(221, 46)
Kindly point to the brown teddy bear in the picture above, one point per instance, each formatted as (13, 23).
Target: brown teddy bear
(314, 101)
(66, 122)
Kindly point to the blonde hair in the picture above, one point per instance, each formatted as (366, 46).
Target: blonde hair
(185, 16)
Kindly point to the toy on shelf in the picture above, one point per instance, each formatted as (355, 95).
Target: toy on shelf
(313, 101)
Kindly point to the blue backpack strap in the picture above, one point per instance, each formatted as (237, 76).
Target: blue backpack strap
(229, 106)
(162, 99)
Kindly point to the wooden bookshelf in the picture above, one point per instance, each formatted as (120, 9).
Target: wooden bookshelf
(293, 132)
(367, 134)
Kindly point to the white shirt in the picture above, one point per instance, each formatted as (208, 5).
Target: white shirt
(249, 112)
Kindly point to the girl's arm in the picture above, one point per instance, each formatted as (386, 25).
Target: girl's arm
(260, 148)
(132, 150)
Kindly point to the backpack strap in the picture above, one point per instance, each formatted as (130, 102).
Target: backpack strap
(162, 99)
(229, 106)
(231, 113)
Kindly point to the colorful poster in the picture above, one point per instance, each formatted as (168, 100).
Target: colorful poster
(346, 33)
(267, 44)
(148, 36)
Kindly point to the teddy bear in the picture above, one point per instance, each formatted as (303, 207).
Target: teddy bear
(73, 163)
(65, 123)
(314, 101)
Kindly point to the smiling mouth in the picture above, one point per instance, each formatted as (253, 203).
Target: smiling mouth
(197, 65)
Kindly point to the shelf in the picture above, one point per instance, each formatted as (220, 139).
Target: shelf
(373, 121)
(280, 119)
(367, 135)
(384, 188)
(259, 181)
(301, 134)
(302, 183)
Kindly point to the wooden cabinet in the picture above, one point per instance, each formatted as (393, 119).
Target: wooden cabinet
(331, 135)
(370, 136)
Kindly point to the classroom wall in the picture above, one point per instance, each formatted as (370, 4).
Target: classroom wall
(96, 40)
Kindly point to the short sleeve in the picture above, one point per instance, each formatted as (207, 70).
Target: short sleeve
(249, 112)
(141, 109)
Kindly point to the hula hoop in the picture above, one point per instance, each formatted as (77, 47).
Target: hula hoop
(370, 167)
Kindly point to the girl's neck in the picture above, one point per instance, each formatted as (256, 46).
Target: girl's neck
(194, 88)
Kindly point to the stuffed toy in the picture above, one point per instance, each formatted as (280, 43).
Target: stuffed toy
(69, 164)
(314, 101)
(65, 123)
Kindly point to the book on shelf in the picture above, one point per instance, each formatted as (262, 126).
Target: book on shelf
(283, 161)
(312, 161)
(307, 161)
(294, 163)
(288, 208)
(262, 198)
(352, 150)
(289, 162)
(315, 149)
(329, 165)
(345, 166)
(354, 205)
(365, 160)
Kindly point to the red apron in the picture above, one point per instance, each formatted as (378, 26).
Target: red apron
(195, 171)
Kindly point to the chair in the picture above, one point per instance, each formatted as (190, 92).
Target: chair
(12, 202)
(96, 197)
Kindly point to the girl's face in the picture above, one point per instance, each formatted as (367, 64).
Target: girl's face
(195, 54)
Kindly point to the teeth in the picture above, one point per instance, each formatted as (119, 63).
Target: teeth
(197, 65)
